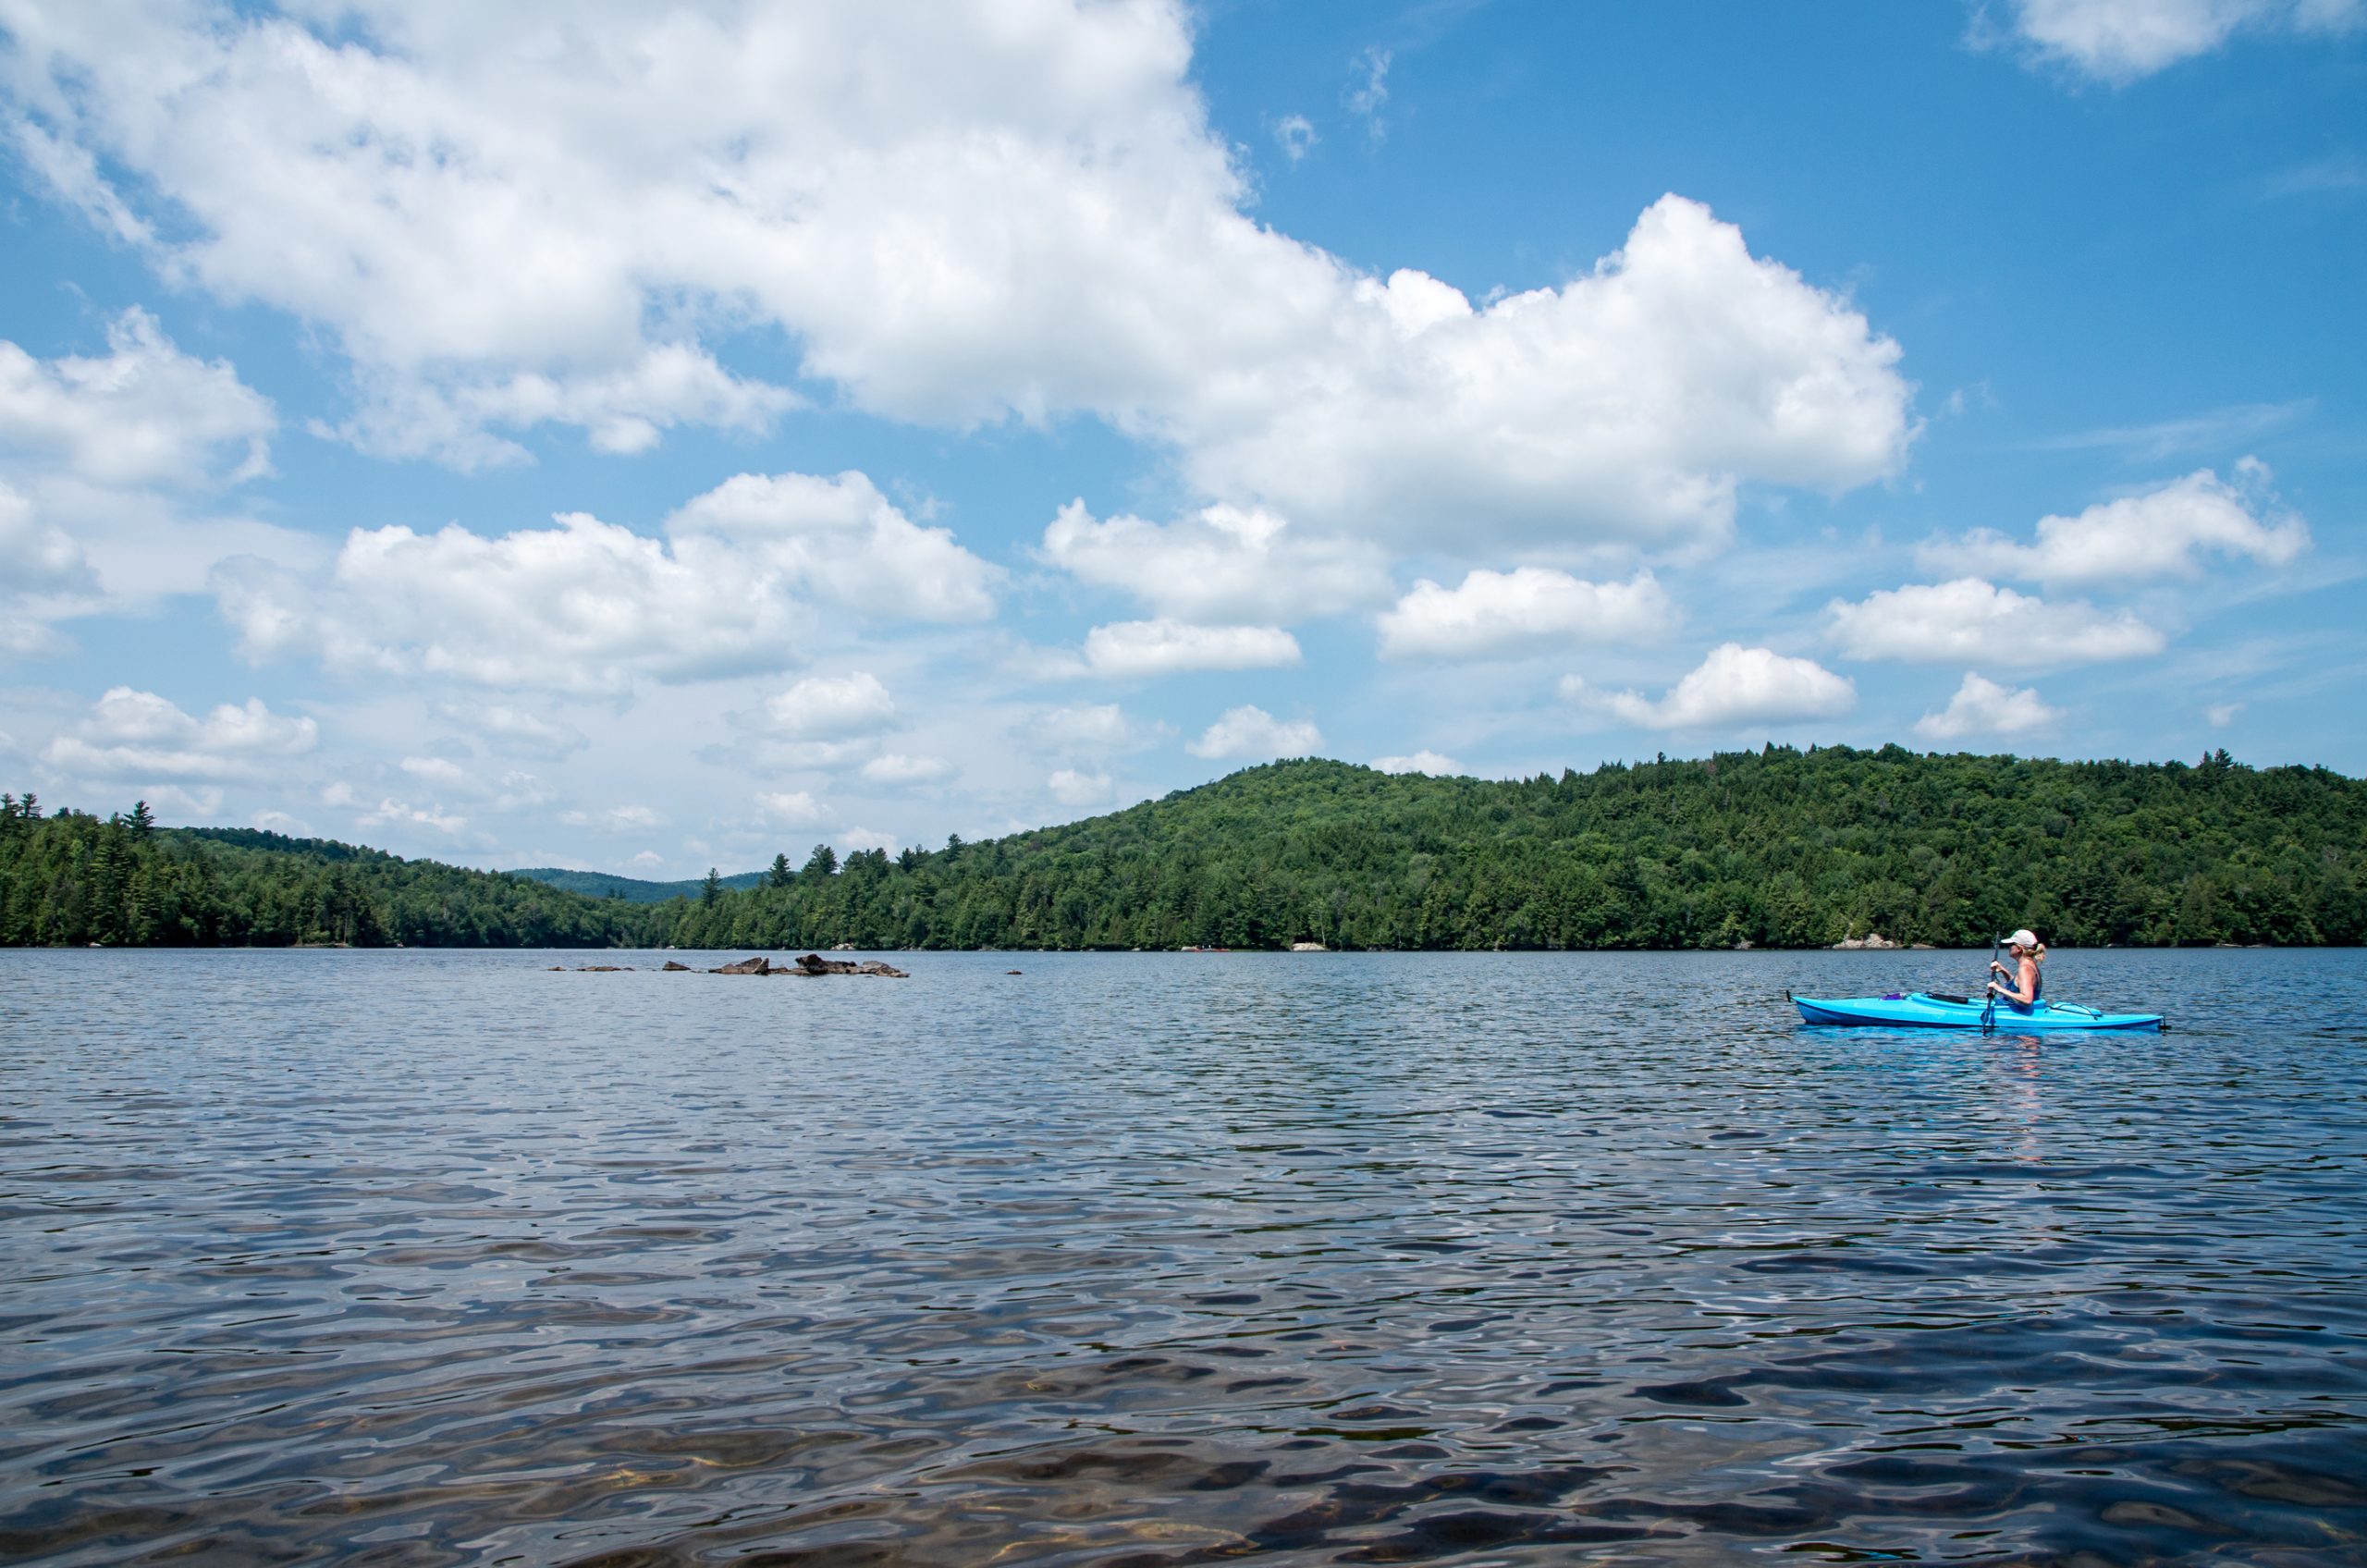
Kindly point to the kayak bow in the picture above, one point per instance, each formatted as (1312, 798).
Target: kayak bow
(1923, 1010)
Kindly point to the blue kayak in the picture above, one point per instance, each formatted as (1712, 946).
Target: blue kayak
(1923, 1010)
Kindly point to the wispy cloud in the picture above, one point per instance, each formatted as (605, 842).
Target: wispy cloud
(1370, 96)
(2340, 174)
(1295, 135)
(2219, 428)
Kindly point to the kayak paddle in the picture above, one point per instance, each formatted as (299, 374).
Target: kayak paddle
(1989, 986)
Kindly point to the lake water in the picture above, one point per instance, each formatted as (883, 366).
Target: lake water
(424, 1258)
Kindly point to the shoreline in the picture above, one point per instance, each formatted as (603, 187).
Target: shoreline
(1889, 952)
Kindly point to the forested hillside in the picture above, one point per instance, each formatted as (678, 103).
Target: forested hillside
(606, 885)
(1775, 848)
(71, 878)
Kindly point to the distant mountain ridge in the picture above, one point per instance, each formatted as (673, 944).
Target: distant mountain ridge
(632, 890)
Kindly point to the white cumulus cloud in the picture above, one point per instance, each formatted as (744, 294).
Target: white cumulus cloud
(2119, 41)
(792, 808)
(1018, 210)
(40, 559)
(1502, 613)
(47, 576)
(101, 456)
(831, 708)
(1973, 621)
(895, 769)
(138, 736)
(1428, 762)
(1224, 563)
(591, 606)
(1139, 649)
(1625, 405)
(144, 414)
(622, 411)
(1734, 686)
(436, 770)
(840, 536)
(1250, 731)
(2136, 538)
(1983, 707)
(584, 606)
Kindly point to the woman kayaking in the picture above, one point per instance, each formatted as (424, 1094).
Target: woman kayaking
(2021, 988)
(2029, 952)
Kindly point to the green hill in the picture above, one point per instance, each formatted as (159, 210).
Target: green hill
(69, 878)
(1776, 848)
(606, 885)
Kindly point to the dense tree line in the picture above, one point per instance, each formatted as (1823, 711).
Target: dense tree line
(607, 885)
(69, 878)
(1776, 848)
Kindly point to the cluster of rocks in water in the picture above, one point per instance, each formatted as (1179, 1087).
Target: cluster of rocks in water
(807, 965)
(1876, 942)
(811, 963)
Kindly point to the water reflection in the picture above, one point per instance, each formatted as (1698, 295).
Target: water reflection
(440, 1258)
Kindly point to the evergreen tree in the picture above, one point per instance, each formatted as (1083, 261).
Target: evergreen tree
(779, 875)
(712, 888)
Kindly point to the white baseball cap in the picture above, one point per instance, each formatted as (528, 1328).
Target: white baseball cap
(2024, 938)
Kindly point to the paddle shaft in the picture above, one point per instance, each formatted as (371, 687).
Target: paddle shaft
(1989, 984)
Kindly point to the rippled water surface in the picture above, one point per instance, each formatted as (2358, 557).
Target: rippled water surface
(416, 1257)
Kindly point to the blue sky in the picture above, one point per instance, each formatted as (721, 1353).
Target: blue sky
(644, 439)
